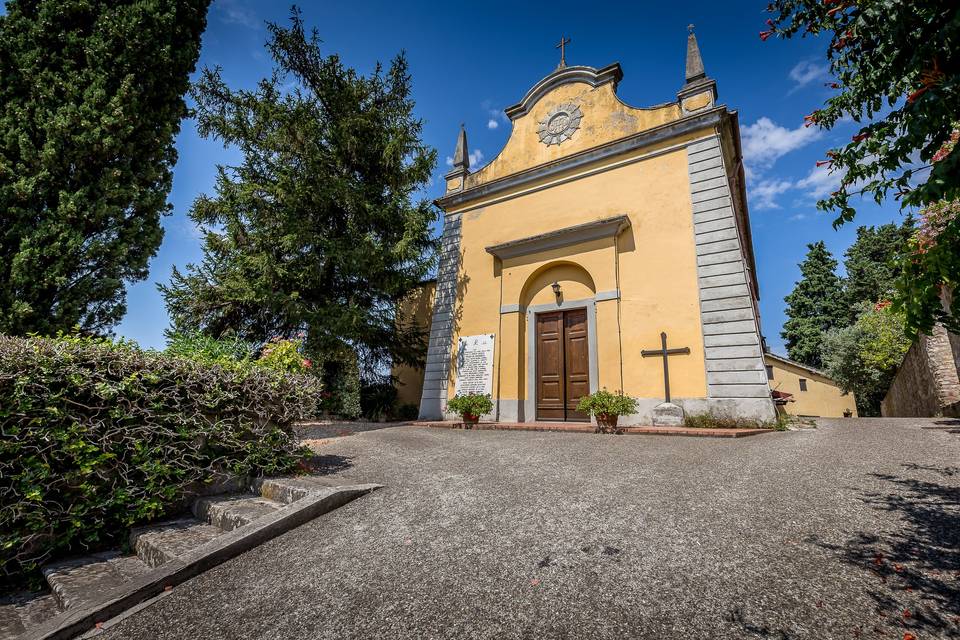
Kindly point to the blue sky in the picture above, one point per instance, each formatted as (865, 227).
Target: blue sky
(470, 60)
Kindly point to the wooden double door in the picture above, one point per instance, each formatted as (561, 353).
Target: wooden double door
(563, 364)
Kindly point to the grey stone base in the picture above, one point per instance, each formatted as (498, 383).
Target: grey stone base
(432, 409)
(667, 414)
(760, 409)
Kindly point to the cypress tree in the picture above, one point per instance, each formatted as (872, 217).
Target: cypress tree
(91, 98)
(871, 264)
(814, 306)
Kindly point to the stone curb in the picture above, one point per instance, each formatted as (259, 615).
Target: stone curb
(575, 427)
(231, 544)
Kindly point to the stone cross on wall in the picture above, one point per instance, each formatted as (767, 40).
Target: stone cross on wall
(664, 353)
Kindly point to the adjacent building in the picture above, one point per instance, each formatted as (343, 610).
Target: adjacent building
(806, 392)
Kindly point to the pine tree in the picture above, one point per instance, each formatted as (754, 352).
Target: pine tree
(91, 98)
(871, 266)
(317, 230)
(814, 306)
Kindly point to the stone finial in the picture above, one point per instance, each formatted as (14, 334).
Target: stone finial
(461, 157)
(694, 61)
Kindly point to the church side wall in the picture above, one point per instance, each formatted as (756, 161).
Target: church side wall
(736, 380)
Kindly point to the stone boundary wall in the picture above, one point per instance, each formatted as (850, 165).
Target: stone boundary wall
(927, 383)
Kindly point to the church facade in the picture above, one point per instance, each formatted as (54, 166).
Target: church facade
(597, 228)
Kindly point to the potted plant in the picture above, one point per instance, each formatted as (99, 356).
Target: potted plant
(607, 407)
(470, 406)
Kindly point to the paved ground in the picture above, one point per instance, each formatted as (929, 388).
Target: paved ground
(850, 530)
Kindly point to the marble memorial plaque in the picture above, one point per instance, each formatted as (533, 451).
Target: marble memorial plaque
(475, 364)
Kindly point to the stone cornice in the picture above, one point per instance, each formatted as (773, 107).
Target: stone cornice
(594, 77)
(664, 132)
(606, 228)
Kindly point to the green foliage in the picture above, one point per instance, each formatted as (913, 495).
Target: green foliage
(91, 99)
(603, 402)
(408, 411)
(100, 436)
(208, 350)
(316, 230)
(814, 306)
(896, 66)
(284, 356)
(470, 404)
(872, 264)
(341, 375)
(864, 357)
(931, 271)
(378, 400)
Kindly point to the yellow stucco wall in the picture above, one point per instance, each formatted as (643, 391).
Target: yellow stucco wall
(653, 264)
(823, 398)
(417, 308)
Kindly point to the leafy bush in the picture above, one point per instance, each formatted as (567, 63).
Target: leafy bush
(342, 376)
(280, 355)
(863, 358)
(471, 404)
(98, 436)
(603, 402)
(378, 400)
(203, 348)
(285, 356)
(408, 411)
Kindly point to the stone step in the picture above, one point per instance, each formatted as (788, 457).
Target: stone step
(22, 612)
(229, 512)
(287, 490)
(81, 581)
(160, 543)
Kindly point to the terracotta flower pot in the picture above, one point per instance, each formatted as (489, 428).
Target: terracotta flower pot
(607, 422)
(469, 420)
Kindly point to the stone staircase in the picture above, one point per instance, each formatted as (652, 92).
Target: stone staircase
(84, 581)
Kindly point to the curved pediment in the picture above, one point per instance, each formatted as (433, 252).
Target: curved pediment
(565, 75)
(570, 111)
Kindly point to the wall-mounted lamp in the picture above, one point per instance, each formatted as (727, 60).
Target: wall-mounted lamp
(556, 289)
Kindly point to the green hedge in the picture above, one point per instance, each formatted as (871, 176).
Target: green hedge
(97, 436)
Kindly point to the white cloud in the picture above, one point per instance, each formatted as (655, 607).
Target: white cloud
(476, 157)
(764, 142)
(763, 195)
(237, 12)
(797, 217)
(495, 116)
(820, 182)
(807, 71)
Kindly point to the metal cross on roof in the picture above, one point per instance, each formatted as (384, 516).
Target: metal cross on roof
(562, 46)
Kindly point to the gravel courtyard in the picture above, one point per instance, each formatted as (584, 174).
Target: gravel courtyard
(851, 530)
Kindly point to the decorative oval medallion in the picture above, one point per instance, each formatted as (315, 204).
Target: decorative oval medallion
(559, 124)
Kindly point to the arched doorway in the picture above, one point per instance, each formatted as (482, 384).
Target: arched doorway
(561, 342)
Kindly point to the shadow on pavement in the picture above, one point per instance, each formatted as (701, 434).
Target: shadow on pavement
(917, 567)
(324, 465)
